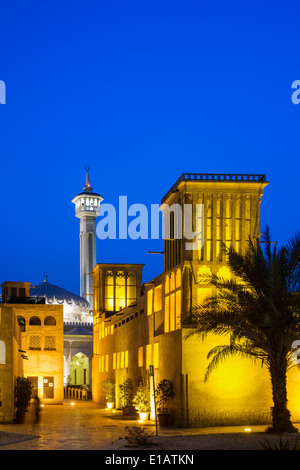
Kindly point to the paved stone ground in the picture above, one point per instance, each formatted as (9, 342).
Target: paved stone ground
(84, 426)
(88, 426)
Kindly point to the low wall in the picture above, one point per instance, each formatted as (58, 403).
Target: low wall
(77, 393)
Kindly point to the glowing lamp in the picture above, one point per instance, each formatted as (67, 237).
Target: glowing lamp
(143, 417)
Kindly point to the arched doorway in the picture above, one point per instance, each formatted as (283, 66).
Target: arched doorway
(79, 369)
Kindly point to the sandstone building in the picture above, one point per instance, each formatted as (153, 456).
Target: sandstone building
(31, 346)
(11, 360)
(149, 332)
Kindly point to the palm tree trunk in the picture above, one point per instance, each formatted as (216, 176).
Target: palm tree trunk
(281, 417)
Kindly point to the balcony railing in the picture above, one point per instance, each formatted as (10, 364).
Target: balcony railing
(219, 177)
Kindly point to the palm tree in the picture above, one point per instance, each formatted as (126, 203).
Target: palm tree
(260, 311)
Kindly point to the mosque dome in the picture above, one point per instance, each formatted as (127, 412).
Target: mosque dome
(79, 331)
(54, 295)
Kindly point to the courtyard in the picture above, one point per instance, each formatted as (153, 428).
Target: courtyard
(84, 425)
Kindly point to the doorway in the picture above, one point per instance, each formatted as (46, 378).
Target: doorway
(79, 369)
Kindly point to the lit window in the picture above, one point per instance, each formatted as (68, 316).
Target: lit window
(172, 281)
(172, 312)
(178, 278)
(109, 291)
(141, 357)
(204, 273)
(126, 359)
(224, 273)
(96, 342)
(106, 362)
(167, 284)
(173, 303)
(157, 299)
(148, 355)
(131, 287)
(114, 361)
(178, 310)
(167, 314)
(120, 290)
(150, 302)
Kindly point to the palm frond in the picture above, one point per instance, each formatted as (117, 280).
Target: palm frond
(222, 352)
(258, 310)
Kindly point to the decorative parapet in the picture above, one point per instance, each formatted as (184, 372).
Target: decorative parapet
(219, 177)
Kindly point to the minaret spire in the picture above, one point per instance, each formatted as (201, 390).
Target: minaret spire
(87, 187)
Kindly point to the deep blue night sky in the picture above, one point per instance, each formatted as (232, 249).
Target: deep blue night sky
(141, 91)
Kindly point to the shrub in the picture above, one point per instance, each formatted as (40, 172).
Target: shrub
(137, 436)
(141, 400)
(281, 446)
(126, 393)
(164, 393)
(23, 392)
(109, 390)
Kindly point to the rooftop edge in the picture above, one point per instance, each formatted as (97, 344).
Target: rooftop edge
(219, 177)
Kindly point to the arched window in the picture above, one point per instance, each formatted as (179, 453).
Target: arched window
(35, 321)
(50, 321)
(2, 353)
(22, 323)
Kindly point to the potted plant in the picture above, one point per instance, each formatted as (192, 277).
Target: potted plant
(23, 392)
(141, 401)
(109, 391)
(126, 395)
(164, 394)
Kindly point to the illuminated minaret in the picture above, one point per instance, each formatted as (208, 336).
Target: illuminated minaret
(87, 208)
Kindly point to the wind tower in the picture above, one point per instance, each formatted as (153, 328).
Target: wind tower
(87, 209)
